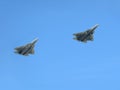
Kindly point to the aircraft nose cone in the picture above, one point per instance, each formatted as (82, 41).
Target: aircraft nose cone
(96, 25)
(35, 40)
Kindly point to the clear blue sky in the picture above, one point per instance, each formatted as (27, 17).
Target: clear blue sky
(60, 63)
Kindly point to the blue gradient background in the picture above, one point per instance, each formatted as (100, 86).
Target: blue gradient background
(60, 63)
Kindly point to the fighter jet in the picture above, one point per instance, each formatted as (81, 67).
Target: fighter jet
(26, 49)
(86, 35)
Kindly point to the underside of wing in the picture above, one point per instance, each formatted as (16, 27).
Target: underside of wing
(32, 51)
(90, 37)
(25, 54)
(84, 41)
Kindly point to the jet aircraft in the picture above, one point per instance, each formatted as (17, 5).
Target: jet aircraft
(86, 35)
(26, 49)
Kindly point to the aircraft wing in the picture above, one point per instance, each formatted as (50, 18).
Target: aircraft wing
(19, 48)
(90, 37)
(32, 51)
